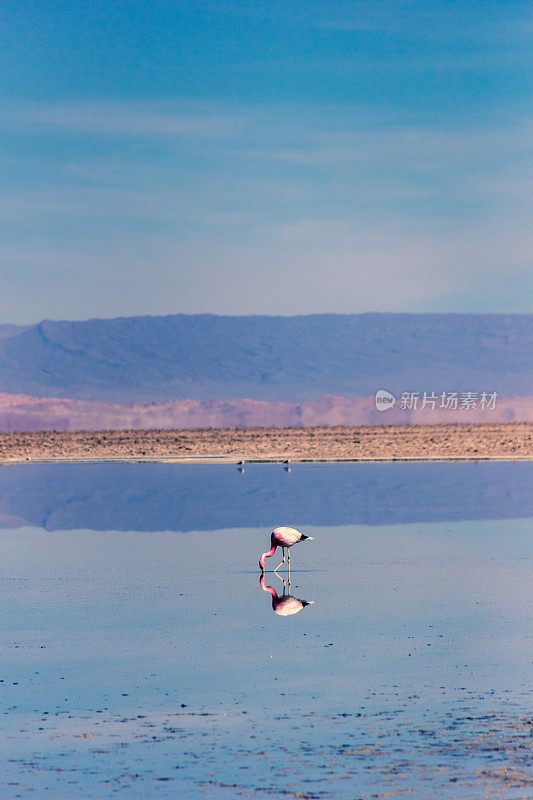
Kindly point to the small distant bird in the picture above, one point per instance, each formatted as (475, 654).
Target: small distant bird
(282, 537)
(286, 605)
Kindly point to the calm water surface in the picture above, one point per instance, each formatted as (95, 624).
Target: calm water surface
(141, 656)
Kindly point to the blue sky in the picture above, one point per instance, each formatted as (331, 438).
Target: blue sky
(274, 157)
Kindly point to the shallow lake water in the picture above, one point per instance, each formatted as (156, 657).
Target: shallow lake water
(141, 656)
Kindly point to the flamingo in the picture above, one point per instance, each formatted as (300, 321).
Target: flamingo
(282, 537)
(286, 605)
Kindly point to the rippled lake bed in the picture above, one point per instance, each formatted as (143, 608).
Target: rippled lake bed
(142, 657)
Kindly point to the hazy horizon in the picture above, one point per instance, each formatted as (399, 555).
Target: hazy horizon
(9, 324)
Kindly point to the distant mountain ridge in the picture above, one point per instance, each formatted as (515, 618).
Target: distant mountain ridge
(6, 331)
(277, 359)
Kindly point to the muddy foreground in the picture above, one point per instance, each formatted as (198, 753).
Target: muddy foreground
(459, 441)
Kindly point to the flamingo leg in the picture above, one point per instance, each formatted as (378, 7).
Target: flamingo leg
(282, 562)
(289, 556)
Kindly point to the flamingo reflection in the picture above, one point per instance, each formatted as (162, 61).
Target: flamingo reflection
(286, 605)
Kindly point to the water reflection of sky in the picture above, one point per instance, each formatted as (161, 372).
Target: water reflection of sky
(415, 619)
(186, 497)
(443, 603)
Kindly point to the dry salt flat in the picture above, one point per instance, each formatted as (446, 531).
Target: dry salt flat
(142, 657)
(348, 443)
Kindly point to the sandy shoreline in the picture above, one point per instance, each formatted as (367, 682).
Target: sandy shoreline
(499, 441)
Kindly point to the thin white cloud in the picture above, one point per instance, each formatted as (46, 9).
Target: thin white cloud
(272, 210)
(465, 23)
(123, 118)
(281, 162)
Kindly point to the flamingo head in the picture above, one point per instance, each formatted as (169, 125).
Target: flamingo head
(266, 555)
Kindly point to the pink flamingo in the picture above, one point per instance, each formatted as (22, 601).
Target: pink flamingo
(282, 537)
(286, 605)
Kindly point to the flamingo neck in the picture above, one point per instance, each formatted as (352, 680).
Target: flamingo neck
(267, 555)
(270, 589)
